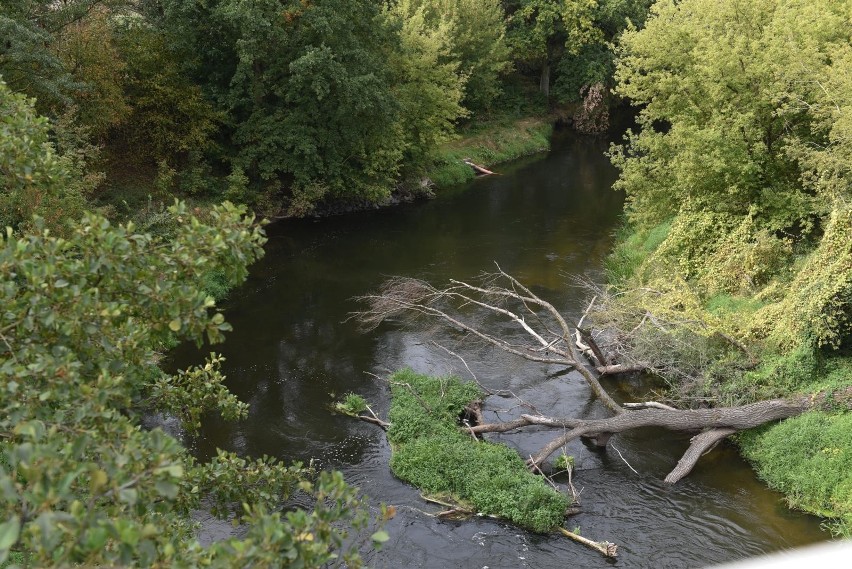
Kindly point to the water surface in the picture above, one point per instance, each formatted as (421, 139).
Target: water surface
(547, 220)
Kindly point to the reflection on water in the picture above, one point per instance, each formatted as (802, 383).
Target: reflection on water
(547, 220)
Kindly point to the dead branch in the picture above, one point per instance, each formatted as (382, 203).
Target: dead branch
(604, 548)
(543, 335)
(464, 306)
(648, 405)
(699, 445)
(374, 420)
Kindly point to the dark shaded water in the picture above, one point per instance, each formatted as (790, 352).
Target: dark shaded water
(547, 220)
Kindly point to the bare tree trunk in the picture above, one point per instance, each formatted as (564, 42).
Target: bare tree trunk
(717, 423)
(544, 80)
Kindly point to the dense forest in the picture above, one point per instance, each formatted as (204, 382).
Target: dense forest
(285, 105)
(123, 123)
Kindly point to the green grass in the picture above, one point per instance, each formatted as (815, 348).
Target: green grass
(431, 452)
(352, 404)
(809, 459)
(631, 249)
(724, 304)
(490, 143)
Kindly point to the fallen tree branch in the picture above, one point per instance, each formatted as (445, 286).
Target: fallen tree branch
(614, 369)
(374, 420)
(543, 335)
(699, 445)
(717, 423)
(604, 547)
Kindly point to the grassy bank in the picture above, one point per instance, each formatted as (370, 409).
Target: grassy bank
(488, 144)
(808, 458)
(432, 453)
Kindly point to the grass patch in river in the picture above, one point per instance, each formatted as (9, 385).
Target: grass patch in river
(431, 452)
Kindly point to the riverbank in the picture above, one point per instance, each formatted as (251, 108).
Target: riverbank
(489, 144)
(722, 356)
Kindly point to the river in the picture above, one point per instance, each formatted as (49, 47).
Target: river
(547, 220)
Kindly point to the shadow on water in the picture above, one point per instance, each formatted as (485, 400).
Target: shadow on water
(546, 219)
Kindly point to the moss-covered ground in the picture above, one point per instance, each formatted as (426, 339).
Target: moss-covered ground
(432, 452)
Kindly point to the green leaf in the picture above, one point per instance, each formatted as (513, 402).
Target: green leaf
(167, 489)
(9, 532)
(97, 481)
(174, 325)
(380, 537)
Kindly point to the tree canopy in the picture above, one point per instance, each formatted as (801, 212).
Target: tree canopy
(738, 207)
(85, 315)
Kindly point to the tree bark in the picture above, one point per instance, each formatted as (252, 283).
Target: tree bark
(717, 423)
(544, 80)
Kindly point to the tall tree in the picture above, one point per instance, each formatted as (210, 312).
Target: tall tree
(305, 87)
(541, 30)
(477, 34)
(427, 81)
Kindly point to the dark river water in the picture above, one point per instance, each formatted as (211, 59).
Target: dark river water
(547, 220)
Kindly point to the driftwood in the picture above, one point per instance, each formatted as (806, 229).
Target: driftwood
(604, 547)
(546, 336)
(480, 170)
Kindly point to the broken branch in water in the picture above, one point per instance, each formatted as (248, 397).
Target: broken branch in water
(604, 547)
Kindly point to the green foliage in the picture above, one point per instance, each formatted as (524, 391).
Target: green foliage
(169, 119)
(475, 34)
(88, 50)
(574, 37)
(631, 249)
(34, 179)
(431, 452)
(744, 152)
(816, 304)
(27, 62)
(565, 462)
(809, 459)
(731, 163)
(81, 482)
(304, 86)
(724, 77)
(428, 82)
(594, 63)
(352, 404)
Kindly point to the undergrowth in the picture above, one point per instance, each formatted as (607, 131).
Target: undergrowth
(730, 318)
(631, 249)
(431, 452)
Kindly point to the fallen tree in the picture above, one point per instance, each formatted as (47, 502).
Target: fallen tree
(544, 335)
